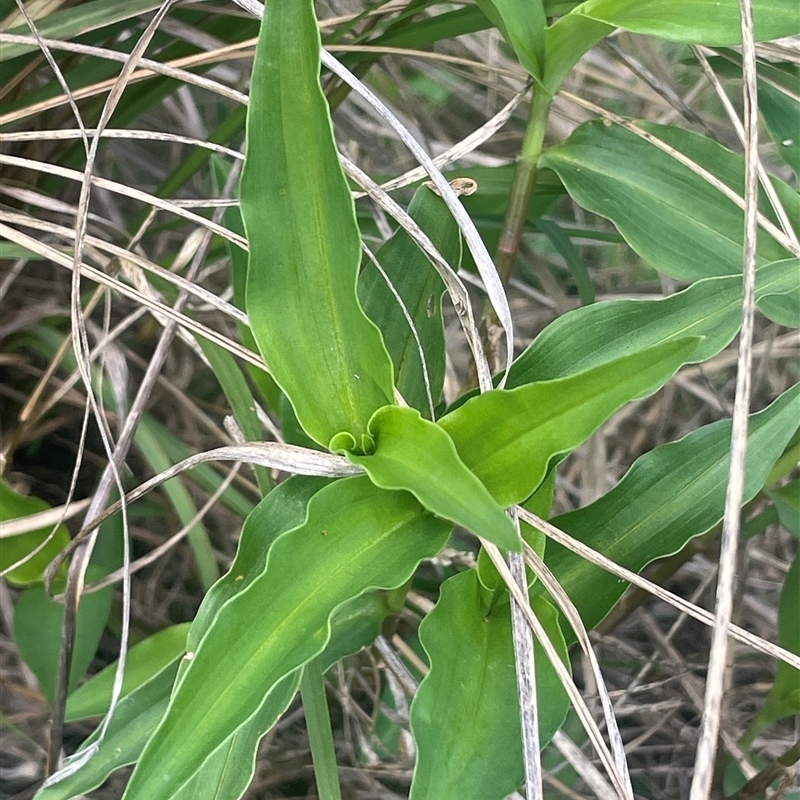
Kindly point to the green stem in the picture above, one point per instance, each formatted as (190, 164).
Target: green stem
(522, 186)
(320, 735)
(525, 176)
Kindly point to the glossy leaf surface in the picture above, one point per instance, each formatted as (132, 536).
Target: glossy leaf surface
(135, 718)
(284, 508)
(414, 454)
(420, 289)
(669, 495)
(669, 215)
(507, 437)
(356, 537)
(599, 333)
(144, 661)
(304, 241)
(465, 716)
(709, 22)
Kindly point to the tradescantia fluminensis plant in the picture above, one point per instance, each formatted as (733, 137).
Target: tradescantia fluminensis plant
(358, 355)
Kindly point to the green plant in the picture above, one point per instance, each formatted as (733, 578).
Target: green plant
(352, 360)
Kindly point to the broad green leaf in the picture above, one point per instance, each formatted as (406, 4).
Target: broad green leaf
(284, 508)
(420, 288)
(354, 625)
(230, 767)
(144, 660)
(596, 334)
(356, 537)
(670, 216)
(708, 22)
(135, 718)
(522, 23)
(670, 495)
(414, 454)
(781, 115)
(538, 503)
(304, 241)
(14, 548)
(783, 699)
(38, 622)
(465, 716)
(507, 437)
(567, 40)
(227, 772)
(781, 303)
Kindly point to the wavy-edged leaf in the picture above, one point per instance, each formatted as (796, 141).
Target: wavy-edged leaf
(708, 22)
(415, 454)
(304, 241)
(143, 662)
(229, 769)
(14, 548)
(356, 537)
(283, 509)
(669, 215)
(420, 289)
(670, 495)
(135, 718)
(596, 334)
(507, 437)
(465, 716)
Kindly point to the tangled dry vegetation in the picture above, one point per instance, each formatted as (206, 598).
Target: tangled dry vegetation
(154, 190)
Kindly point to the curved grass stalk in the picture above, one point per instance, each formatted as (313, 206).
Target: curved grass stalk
(483, 260)
(550, 582)
(700, 614)
(619, 782)
(101, 277)
(127, 255)
(731, 523)
(151, 68)
(127, 191)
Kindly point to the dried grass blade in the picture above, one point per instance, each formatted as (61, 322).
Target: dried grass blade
(700, 614)
(581, 709)
(550, 582)
(731, 523)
